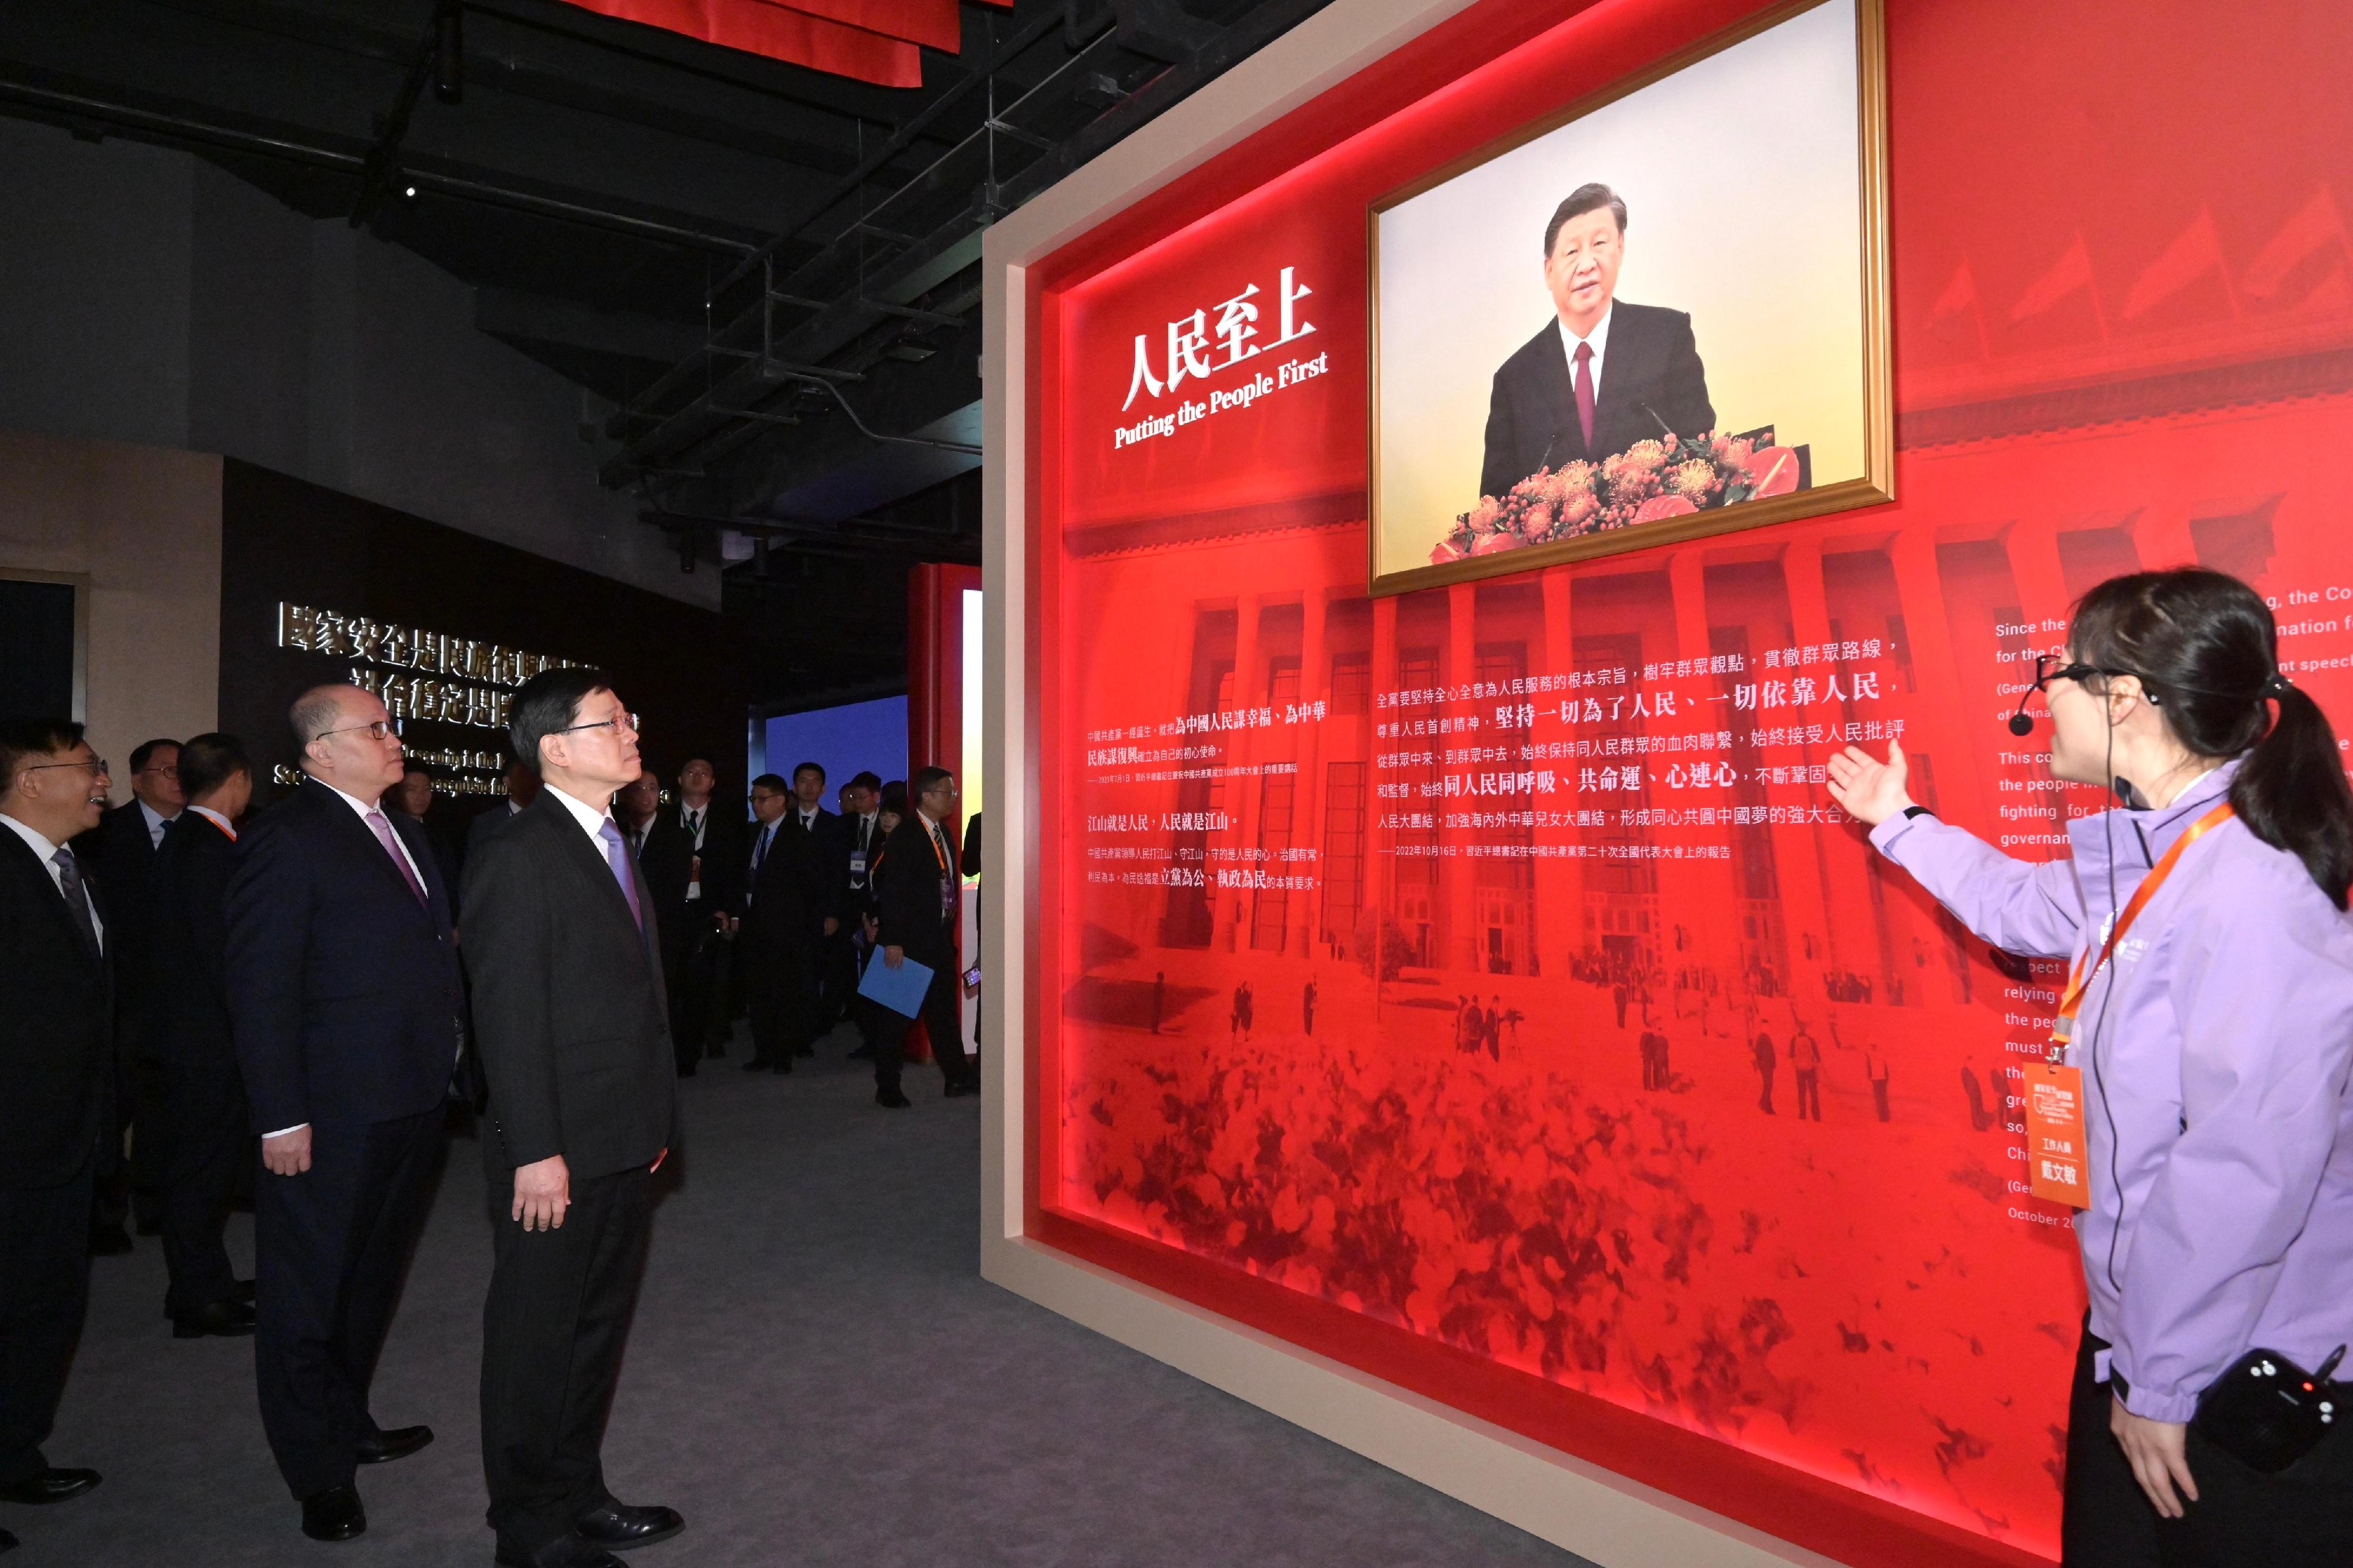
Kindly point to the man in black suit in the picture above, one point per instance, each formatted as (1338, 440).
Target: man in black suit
(712, 837)
(563, 945)
(121, 854)
(665, 858)
(920, 896)
(1603, 373)
(861, 829)
(413, 797)
(343, 994)
(522, 788)
(789, 898)
(56, 1049)
(204, 1133)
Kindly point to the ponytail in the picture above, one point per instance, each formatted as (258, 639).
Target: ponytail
(2291, 793)
(2205, 644)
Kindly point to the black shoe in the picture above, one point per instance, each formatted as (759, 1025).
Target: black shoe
(398, 1443)
(958, 1088)
(228, 1319)
(334, 1514)
(240, 1290)
(7, 1541)
(564, 1552)
(50, 1486)
(113, 1242)
(617, 1527)
(758, 1064)
(892, 1099)
(862, 1054)
(782, 1064)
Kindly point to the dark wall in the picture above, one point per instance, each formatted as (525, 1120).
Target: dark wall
(286, 541)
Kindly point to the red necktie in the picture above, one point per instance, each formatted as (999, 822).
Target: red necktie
(1584, 379)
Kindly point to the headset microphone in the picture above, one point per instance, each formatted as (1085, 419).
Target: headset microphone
(2021, 723)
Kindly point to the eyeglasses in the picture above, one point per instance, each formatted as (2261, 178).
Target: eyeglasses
(166, 772)
(96, 766)
(2051, 667)
(381, 729)
(617, 723)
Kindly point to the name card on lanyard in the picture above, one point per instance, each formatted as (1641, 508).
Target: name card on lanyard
(2055, 1147)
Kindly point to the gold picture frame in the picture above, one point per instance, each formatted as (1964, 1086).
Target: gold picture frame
(1875, 483)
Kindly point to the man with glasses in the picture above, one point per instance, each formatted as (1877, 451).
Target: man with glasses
(57, 1009)
(920, 891)
(121, 854)
(564, 946)
(343, 999)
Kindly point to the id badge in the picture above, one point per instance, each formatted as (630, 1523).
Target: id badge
(857, 870)
(2055, 1134)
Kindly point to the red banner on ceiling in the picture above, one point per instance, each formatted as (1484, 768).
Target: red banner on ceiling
(873, 40)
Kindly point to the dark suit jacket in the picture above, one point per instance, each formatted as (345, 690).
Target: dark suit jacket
(667, 862)
(343, 989)
(118, 854)
(57, 1026)
(909, 896)
(486, 822)
(801, 881)
(570, 1021)
(1532, 412)
(190, 946)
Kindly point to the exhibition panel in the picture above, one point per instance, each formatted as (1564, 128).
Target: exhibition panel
(1476, 984)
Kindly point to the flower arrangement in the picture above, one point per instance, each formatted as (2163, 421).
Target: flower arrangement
(1647, 481)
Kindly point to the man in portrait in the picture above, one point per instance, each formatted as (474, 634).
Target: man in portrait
(1604, 372)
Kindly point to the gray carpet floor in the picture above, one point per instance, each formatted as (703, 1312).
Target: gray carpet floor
(817, 1375)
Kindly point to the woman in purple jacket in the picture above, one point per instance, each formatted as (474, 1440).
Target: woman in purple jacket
(2214, 1045)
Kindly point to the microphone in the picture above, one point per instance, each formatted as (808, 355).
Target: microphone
(1654, 419)
(2020, 723)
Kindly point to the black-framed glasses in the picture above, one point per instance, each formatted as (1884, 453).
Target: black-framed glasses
(381, 729)
(96, 766)
(617, 723)
(2051, 667)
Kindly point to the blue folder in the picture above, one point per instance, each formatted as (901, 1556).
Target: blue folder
(900, 989)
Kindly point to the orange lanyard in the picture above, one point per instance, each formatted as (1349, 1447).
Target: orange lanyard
(2079, 977)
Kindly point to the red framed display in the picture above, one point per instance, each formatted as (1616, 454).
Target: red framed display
(1850, 1331)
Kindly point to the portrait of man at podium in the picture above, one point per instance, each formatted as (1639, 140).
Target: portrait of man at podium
(1604, 372)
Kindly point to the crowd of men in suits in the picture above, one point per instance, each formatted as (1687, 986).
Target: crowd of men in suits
(216, 981)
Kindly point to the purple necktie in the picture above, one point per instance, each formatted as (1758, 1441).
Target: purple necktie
(383, 826)
(1584, 379)
(617, 855)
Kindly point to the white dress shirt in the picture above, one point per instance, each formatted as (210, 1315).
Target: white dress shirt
(46, 851)
(696, 823)
(217, 819)
(591, 819)
(1599, 338)
(156, 822)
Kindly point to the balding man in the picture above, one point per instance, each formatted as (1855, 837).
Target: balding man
(344, 995)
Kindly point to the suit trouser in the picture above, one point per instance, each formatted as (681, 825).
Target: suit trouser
(693, 991)
(782, 992)
(44, 1288)
(204, 1143)
(553, 1332)
(330, 1247)
(942, 1013)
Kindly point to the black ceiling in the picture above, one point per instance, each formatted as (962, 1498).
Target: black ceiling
(764, 270)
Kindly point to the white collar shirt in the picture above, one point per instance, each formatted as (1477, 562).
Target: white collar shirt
(217, 819)
(156, 822)
(46, 852)
(1599, 338)
(591, 820)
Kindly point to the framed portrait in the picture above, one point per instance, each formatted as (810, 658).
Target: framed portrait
(1657, 313)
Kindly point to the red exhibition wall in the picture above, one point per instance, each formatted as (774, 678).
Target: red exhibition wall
(1591, 799)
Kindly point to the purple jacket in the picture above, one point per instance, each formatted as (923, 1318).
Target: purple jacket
(2220, 1132)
